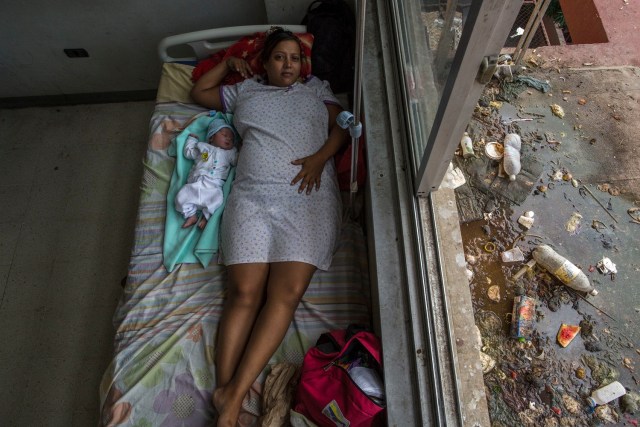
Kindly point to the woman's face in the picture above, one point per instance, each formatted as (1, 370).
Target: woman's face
(283, 66)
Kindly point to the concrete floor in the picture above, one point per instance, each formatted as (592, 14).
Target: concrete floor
(68, 196)
(598, 145)
(598, 87)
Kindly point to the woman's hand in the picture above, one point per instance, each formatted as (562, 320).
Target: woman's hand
(310, 173)
(239, 66)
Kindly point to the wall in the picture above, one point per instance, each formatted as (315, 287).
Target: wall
(286, 11)
(620, 21)
(583, 21)
(291, 11)
(120, 36)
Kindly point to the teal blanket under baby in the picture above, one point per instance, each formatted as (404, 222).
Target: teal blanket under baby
(191, 245)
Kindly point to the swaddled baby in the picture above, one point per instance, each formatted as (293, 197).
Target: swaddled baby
(213, 160)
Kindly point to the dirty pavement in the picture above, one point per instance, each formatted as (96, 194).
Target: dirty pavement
(578, 192)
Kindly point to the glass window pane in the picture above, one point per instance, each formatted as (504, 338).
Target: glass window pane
(428, 33)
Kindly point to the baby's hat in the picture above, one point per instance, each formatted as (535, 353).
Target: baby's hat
(216, 125)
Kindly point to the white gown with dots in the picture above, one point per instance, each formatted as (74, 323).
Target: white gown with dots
(266, 219)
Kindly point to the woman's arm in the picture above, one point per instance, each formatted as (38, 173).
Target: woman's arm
(312, 166)
(337, 135)
(206, 91)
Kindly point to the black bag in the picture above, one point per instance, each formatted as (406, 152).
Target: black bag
(333, 26)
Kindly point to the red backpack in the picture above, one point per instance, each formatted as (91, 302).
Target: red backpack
(341, 380)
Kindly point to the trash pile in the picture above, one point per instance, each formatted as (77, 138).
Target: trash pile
(535, 373)
(551, 356)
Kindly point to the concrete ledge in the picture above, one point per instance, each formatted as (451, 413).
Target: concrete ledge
(462, 329)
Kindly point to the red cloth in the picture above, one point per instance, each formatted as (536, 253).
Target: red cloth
(249, 48)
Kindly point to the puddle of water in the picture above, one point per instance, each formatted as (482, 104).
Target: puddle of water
(538, 373)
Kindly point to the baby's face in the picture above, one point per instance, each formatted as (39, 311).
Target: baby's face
(223, 139)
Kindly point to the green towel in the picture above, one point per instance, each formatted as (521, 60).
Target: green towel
(191, 245)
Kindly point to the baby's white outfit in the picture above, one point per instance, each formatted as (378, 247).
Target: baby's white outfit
(203, 190)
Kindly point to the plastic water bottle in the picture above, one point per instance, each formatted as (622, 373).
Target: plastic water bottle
(563, 269)
(467, 146)
(511, 162)
(606, 394)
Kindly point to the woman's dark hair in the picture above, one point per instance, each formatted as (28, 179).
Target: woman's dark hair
(276, 35)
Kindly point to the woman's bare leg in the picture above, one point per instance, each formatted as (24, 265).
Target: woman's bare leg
(245, 291)
(287, 283)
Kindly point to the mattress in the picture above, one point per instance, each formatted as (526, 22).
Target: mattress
(162, 372)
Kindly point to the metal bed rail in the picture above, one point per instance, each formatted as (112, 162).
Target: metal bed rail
(206, 42)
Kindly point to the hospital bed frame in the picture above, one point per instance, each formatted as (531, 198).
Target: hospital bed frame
(200, 42)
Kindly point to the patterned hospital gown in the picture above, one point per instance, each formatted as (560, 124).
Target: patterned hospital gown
(266, 219)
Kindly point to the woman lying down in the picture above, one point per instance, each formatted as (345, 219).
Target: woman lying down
(283, 215)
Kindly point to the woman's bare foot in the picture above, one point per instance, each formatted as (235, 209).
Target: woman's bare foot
(190, 221)
(203, 223)
(228, 407)
(217, 399)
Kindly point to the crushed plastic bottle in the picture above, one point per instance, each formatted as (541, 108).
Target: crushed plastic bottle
(563, 269)
(511, 162)
(606, 394)
(467, 146)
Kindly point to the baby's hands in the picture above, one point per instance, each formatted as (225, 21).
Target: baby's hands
(239, 66)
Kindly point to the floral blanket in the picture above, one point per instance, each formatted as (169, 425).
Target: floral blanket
(162, 372)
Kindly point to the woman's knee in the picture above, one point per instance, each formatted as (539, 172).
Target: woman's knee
(289, 295)
(246, 287)
(288, 283)
(244, 296)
